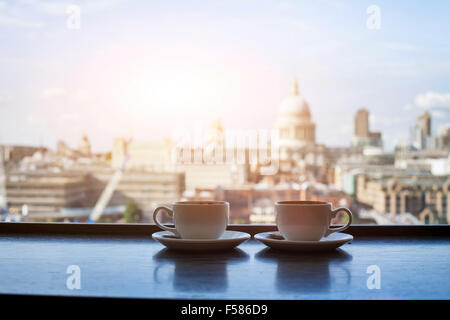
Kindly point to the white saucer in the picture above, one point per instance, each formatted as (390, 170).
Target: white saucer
(276, 241)
(228, 240)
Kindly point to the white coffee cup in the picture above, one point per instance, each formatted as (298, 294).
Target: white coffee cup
(197, 219)
(307, 220)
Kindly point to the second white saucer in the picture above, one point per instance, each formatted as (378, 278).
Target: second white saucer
(276, 241)
(228, 240)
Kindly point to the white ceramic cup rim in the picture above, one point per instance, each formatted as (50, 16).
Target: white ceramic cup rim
(299, 203)
(200, 203)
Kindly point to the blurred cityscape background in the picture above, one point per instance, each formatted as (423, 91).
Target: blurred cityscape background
(110, 108)
(410, 185)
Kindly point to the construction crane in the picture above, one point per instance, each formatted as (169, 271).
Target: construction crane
(107, 193)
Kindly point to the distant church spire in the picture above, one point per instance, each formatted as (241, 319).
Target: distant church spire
(295, 87)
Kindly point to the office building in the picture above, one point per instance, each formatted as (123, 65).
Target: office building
(148, 189)
(421, 134)
(425, 197)
(44, 192)
(363, 137)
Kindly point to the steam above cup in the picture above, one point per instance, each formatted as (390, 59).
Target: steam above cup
(196, 219)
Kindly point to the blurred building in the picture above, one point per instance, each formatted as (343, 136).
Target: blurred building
(443, 138)
(44, 192)
(363, 137)
(345, 154)
(14, 153)
(361, 124)
(436, 161)
(213, 175)
(299, 154)
(424, 123)
(345, 173)
(82, 151)
(48, 193)
(218, 159)
(62, 149)
(420, 134)
(144, 155)
(84, 147)
(165, 157)
(148, 189)
(426, 197)
(294, 124)
(254, 203)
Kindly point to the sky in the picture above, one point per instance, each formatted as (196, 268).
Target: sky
(144, 69)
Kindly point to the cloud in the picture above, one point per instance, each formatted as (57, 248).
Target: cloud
(58, 8)
(438, 114)
(436, 103)
(32, 14)
(52, 8)
(51, 93)
(4, 98)
(13, 15)
(300, 24)
(408, 106)
(17, 22)
(35, 120)
(285, 5)
(432, 99)
(68, 117)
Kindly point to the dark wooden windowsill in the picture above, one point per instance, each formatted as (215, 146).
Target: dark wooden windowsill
(148, 229)
(122, 260)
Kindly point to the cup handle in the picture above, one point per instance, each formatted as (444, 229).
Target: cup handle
(155, 214)
(333, 214)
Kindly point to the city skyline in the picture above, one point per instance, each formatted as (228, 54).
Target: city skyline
(146, 69)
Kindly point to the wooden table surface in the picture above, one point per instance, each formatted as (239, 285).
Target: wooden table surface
(137, 266)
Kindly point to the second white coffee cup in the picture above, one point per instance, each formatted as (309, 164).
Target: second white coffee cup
(197, 219)
(307, 220)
